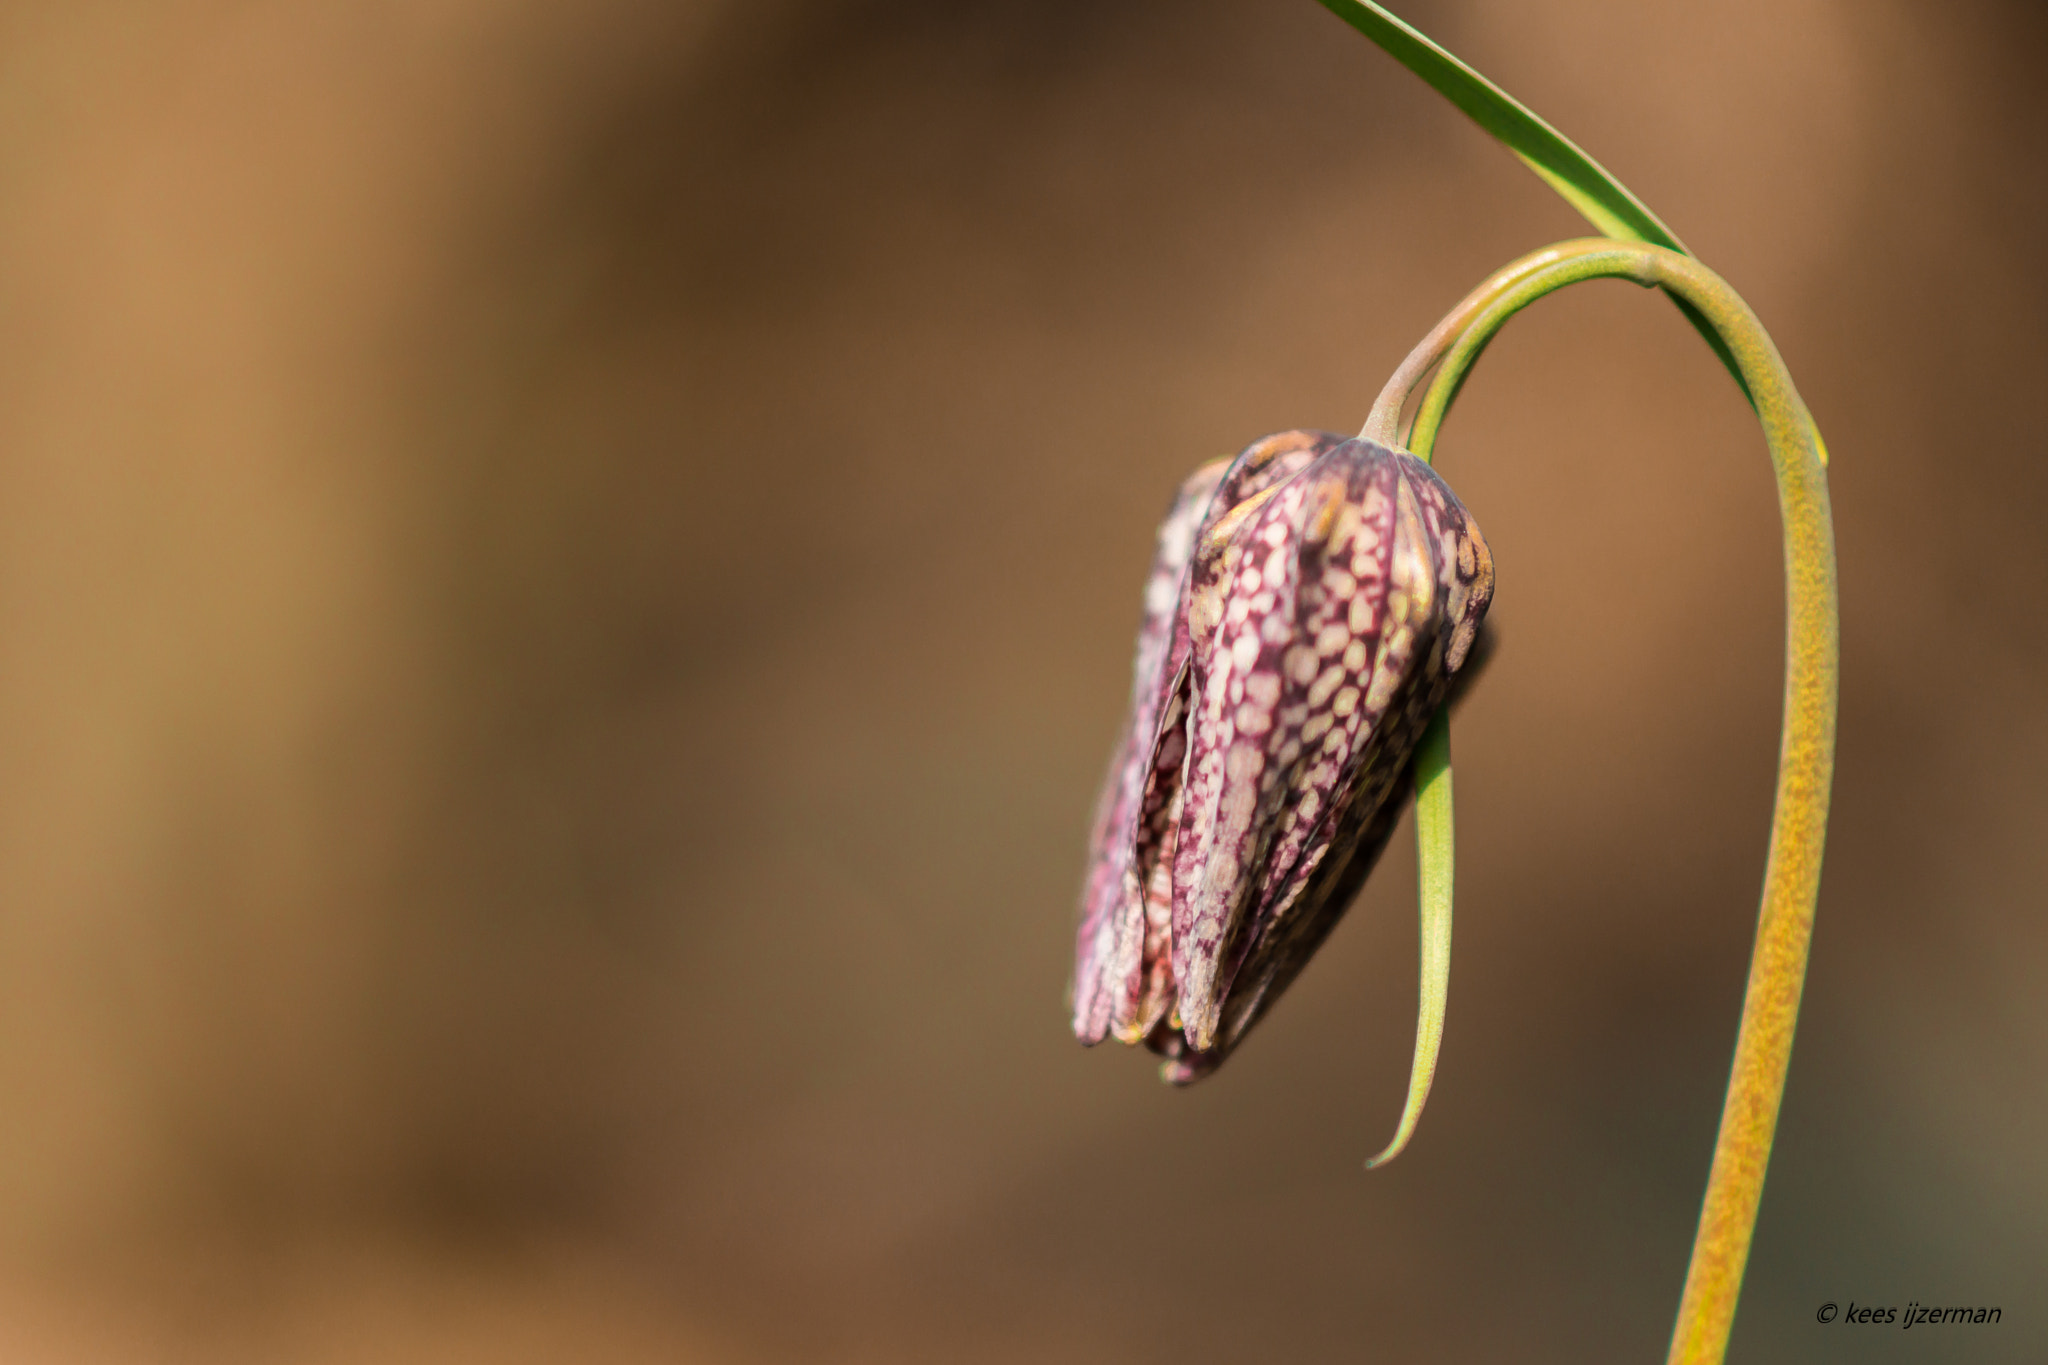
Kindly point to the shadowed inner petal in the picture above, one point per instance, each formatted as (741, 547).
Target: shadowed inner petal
(1099, 973)
(1144, 958)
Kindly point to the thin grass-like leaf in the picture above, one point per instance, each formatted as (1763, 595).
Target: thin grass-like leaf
(1582, 182)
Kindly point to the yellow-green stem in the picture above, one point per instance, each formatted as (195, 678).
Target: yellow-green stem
(1763, 1047)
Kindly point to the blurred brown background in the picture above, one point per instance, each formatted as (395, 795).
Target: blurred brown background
(566, 574)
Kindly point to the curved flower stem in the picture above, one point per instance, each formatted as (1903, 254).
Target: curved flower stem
(1384, 423)
(1763, 1047)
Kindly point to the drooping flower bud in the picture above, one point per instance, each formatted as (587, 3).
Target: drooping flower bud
(1307, 610)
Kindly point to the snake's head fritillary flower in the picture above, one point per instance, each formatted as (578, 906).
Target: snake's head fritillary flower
(1309, 606)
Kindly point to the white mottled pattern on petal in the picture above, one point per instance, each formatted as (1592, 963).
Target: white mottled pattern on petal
(1123, 977)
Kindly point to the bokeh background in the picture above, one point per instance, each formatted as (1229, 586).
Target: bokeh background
(566, 574)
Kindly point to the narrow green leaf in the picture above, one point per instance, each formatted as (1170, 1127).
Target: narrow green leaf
(1582, 182)
(1435, 848)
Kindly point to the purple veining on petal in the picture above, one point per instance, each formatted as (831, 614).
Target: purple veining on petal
(1346, 553)
(1444, 565)
(1258, 473)
(1144, 963)
(1116, 810)
(1307, 611)
(1123, 978)
(1328, 539)
(1241, 599)
(1392, 579)
(1368, 746)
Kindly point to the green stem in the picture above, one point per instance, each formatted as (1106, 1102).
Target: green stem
(1763, 1047)
(1384, 423)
